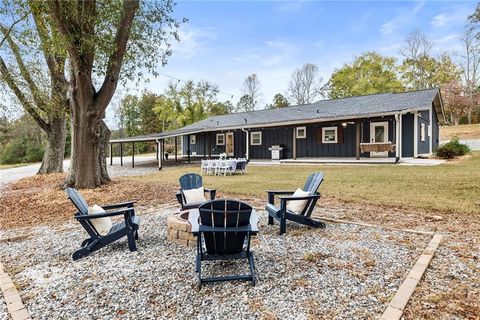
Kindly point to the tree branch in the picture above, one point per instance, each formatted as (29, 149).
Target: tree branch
(39, 100)
(7, 34)
(115, 60)
(7, 77)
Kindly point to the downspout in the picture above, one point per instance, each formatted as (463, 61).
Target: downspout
(247, 153)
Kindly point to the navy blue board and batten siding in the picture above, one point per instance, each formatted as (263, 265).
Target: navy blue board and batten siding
(423, 118)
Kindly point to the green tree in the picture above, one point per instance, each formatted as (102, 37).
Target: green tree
(32, 72)
(369, 73)
(279, 101)
(106, 41)
(129, 116)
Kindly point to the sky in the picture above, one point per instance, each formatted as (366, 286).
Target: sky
(225, 41)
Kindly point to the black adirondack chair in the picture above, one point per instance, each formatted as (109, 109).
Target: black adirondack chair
(128, 227)
(191, 181)
(282, 214)
(223, 229)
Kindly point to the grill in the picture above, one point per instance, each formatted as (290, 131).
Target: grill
(277, 152)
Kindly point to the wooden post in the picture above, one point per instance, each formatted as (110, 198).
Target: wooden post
(210, 145)
(159, 158)
(188, 149)
(133, 154)
(156, 149)
(176, 149)
(163, 149)
(121, 154)
(294, 156)
(111, 153)
(204, 135)
(357, 139)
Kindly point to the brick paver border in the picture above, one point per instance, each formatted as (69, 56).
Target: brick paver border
(14, 303)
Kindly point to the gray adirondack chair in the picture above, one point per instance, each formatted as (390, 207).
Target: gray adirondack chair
(191, 181)
(128, 227)
(282, 214)
(223, 229)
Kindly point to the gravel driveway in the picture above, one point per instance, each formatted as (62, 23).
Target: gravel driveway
(143, 165)
(341, 272)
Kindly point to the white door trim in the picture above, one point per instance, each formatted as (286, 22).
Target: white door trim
(372, 137)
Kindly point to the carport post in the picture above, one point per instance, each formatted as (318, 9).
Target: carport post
(163, 149)
(176, 149)
(133, 154)
(159, 158)
(156, 149)
(111, 153)
(121, 154)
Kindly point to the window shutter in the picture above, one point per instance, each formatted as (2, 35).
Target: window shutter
(340, 134)
(319, 135)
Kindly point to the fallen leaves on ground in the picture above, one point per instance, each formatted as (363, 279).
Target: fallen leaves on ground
(40, 199)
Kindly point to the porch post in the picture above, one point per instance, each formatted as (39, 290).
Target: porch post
(210, 145)
(397, 136)
(121, 154)
(248, 145)
(188, 149)
(415, 134)
(133, 154)
(111, 153)
(176, 149)
(204, 146)
(294, 144)
(159, 158)
(430, 130)
(357, 139)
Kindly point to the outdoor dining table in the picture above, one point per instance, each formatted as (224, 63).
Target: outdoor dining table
(233, 164)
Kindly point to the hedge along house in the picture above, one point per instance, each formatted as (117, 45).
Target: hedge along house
(390, 125)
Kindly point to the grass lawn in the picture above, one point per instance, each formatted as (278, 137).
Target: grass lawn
(463, 131)
(451, 187)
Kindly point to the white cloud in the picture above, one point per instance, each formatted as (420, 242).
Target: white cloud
(193, 40)
(404, 17)
(447, 18)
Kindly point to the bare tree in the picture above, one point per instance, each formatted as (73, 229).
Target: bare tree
(469, 60)
(416, 52)
(251, 93)
(305, 84)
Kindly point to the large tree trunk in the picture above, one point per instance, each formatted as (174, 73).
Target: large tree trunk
(88, 166)
(52, 161)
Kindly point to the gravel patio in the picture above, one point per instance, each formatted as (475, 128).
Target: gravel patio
(344, 271)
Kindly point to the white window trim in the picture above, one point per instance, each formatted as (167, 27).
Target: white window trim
(422, 132)
(223, 139)
(259, 133)
(329, 128)
(304, 136)
(193, 139)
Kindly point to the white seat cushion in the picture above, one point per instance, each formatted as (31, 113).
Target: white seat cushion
(297, 206)
(194, 195)
(102, 225)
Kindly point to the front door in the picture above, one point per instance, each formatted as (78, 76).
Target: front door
(379, 134)
(229, 144)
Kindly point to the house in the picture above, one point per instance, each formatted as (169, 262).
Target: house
(387, 125)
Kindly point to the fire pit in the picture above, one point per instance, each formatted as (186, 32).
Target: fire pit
(178, 230)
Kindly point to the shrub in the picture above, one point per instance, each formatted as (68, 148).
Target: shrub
(21, 151)
(452, 149)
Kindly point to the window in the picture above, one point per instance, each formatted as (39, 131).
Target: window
(329, 135)
(256, 138)
(193, 139)
(422, 132)
(220, 139)
(301, 132)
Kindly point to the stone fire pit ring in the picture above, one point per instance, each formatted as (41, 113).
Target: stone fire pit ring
(179, 230)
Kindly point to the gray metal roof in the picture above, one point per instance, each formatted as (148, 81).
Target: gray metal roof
(323, 110)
